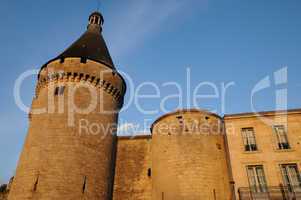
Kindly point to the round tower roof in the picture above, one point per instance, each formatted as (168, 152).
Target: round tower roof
(91, 45)
(96, 13)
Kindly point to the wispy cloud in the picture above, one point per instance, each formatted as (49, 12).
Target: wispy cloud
(143, 18)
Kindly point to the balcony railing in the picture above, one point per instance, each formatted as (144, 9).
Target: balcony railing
(270, 193)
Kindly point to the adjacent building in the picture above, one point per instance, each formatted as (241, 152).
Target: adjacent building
(195, 154)
(265, 153)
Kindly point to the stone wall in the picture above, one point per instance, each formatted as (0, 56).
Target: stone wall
(3, 195)
(133, 169)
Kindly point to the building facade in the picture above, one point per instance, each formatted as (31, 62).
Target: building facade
(190, 155)
(265, 154)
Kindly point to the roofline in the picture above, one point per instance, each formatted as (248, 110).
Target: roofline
(263, 113)
(181, 111)
(230, 116)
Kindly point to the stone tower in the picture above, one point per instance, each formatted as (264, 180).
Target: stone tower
(70, 147)
(189, 157)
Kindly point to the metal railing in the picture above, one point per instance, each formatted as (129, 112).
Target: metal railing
(270, 193)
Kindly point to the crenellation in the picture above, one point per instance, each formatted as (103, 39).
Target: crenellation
(95, 81)
(75, 77)
(102, 83)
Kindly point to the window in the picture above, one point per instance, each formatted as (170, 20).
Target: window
(92, 19)
(83, 60)
(97, 20)
(281, 135)
(180, 119)
(291, 177)
(256, 178)
(249, 139)
(59, 90)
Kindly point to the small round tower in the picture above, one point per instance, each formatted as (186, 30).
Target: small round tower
(189, 157)
(70, 146)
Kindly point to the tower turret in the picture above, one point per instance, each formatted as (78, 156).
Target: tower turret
(188, 156)
(96, 20)
(70, 146)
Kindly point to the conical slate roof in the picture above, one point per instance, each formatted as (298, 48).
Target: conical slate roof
(91, 44)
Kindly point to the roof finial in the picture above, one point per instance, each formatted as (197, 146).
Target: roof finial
(98, 5)
(96, 21)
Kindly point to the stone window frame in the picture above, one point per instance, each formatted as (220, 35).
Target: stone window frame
(297, 167)
(247, 140)
(286, 146)
(259, 187)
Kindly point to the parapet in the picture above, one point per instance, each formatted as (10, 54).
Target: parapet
(188, 121)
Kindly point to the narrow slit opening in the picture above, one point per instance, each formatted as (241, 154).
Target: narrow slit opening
(84, 185)
(35, 186)
(149, 172)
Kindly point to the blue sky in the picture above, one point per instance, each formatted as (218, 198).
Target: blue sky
(155, 41)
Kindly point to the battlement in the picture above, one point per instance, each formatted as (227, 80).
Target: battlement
(187, 122)
(77, 70)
